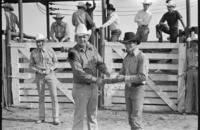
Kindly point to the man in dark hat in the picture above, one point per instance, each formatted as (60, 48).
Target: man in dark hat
(90, 9)
(134, 72)
(12, 21)
(113, 23)
(59, 29)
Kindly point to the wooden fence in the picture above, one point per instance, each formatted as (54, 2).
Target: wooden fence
(164, 92)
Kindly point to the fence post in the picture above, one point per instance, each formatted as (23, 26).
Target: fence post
(181, 78)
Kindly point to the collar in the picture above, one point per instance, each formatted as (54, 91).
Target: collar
(134, 52)
(62, 23)
(42, 50)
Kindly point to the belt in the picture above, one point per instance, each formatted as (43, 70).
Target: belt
(193, 67)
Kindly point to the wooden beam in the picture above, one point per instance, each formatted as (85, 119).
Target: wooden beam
(20, 7)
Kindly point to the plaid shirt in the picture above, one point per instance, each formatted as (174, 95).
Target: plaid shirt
(60, 30)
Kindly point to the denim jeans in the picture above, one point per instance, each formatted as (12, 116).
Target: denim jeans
(142, 33)
(50, 80)
(134, 97)
(86, 101)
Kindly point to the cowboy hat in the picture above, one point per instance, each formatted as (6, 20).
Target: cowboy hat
(111, 7)
(130, 37)
(82, 30)
(148, 2)
(171, 4)
(81, 4)
(39, 37)
(8, 6)
(58, 16)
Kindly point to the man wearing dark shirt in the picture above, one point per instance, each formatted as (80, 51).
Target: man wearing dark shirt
(172, 17)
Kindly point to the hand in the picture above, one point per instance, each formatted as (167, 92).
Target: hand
(100, 82)
(107, 74)
(120, 77)
(47, 71)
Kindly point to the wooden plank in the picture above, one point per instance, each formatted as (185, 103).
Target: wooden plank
(163, 77)
(33, 86)
(32, 75)
(119, 52)
(163, 95)
(47, 99)
(146, 100)
(152, 66)
(181, 78)
(34, 92)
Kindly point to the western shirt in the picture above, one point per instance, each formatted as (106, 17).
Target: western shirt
(135, 67)
(143, 17)
(192, 58)
(85, 63)
(11, 21)
(113, 22)
(60, 30)
(43, 59)
(171, 18)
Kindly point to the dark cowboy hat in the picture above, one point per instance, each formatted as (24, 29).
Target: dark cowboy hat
(58, 16)
(111, 7)
(9, 6)
(88, 4)
(130, 37)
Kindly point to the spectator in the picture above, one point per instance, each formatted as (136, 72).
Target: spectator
(191, 101)
(85, 60)
(59, 30)
(90, 9)
(172, 17)
(113, 23)
(43, 62)
(143, 18)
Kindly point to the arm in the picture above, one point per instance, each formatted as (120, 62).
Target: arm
(181, 19)
(73, 19)
(138, 20)
(32, 64)
(162, 20)
(94, 6)
(17, 21)
(89, 20)
(110, 21)
(54, 59)
(52, 33)
(142, 74)
(182, 23)
(66, 33)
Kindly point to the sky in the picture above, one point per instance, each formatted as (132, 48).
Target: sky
(34, 17)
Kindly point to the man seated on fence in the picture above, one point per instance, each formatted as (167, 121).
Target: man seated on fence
(191, 98)
(171, 28)
(85, 60)
(11, 23)
(134, 73)
(59, 29)
(42, 61)
(113, 23)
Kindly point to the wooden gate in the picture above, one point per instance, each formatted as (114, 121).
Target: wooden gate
(164, 90)
(23, 79)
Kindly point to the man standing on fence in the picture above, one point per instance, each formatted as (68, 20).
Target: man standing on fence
(191, 101)
(59, 30)
(172, 17)
(143, 18)
(134, 72)
(84, 60)
(42, 61)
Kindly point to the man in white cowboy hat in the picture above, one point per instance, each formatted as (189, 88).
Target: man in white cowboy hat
(81, 16)
(59, 29)
(113, 23)
(143, 18)
(134, 73)
(43, 62)
(85, 60)
(12, 21)
(172, 17)
(191, 97)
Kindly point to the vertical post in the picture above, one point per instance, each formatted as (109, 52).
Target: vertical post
(20, 19)
(47, 16)
(188, 12)
(104, 13)
(181, 79)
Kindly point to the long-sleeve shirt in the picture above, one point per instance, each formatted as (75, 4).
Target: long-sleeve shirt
(143, 17)
(43, 59)
(80, 16)
(59, 30)
(113, 22)
(85, 62)
(135, 67)
(192, 58)
(11, 21)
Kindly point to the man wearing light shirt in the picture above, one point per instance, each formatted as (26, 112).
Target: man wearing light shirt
(143, 18)
(113, 23)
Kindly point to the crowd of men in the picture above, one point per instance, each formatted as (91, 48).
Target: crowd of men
(85, 61)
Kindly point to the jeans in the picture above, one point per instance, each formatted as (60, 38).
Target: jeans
(134, 97)
(50, 80)
(142, 33)
(173, 32)
(115, 34)
(86, 101)
(191, 101)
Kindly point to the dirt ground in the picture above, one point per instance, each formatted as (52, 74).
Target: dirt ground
(24, 119)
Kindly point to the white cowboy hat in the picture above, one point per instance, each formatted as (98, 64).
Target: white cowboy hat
(82, 30)
(39, 37)
(171, 4)
(81, 4)
(149, 2)
(9, 6)
(58, 16)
